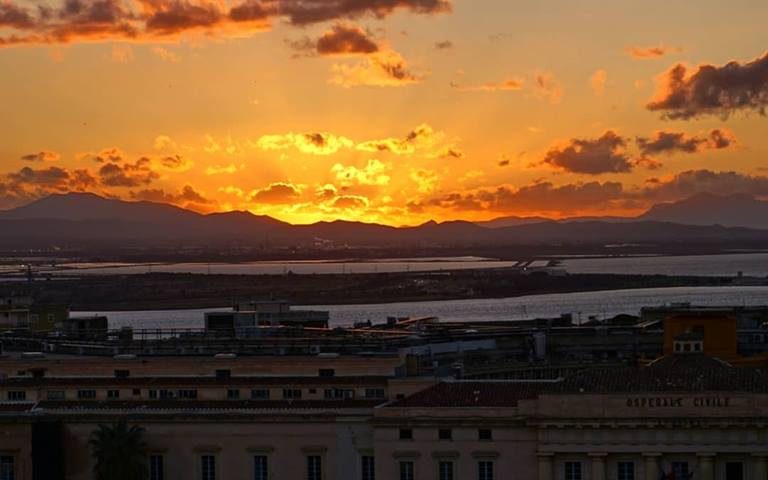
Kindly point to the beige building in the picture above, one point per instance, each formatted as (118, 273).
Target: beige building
(686, 415)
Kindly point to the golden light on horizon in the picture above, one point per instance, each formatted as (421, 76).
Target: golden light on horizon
(399, 113)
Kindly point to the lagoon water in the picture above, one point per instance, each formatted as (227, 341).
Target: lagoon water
(581, 305)
(751, 264)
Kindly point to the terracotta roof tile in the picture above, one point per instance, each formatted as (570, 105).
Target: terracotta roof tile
(674, 373)
(472, 394)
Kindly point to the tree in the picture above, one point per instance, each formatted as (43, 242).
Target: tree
(120, 452)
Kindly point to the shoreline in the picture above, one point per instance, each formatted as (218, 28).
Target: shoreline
(606, 283)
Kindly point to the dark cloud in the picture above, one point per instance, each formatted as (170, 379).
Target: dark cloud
(540, 196)
(41, 156)
(109, 155)
(303, 47)
(452, 153)
(346, 40)
(395, 68)
(86, 19)
(250, 11)
(174, 16)
(350, 202)
(444, 45)
(303, 12)
(127, 174)
(187, 197)
(63, 21)
(645, 53)
(605, 154)
(692, 182)
(342, 39)
(29, 184)
(54, 177)
(277, 193)
(14, 16)
(713, 90)
(574, 198)
(174, 162)
(672, 142)
(407, 144)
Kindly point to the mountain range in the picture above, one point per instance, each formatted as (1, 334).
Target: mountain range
(737, 210)
(83, 218)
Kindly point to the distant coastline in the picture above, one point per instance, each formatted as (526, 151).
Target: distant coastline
(185, 291)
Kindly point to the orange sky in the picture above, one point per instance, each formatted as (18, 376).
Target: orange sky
(393, 111)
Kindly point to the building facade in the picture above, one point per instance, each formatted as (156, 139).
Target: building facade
(686, 415)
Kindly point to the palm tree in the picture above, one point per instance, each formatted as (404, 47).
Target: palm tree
(120, 452)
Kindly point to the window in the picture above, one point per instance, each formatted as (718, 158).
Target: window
(188, 394)
(122, 373)
(86, 394)
(338, 394)
(260, 394)
(444, 434)
(113, 394)
(291, 394)
(445, 470)
(734, 471)
(312, 391)
(626, 471)
(485, 434)
(406, 470)
(233, 394)
(680, 469)
(164, 394)
(406, 434)
(223, 374)
(332, 393)
(485, 470)
(7, 470)
(368, 467)
(314, 467)
(136, 391)
(17, 395)
(208, 467)
(55, 395)
(156, 470)
(260, 468)
(374, 393)
(572, 470)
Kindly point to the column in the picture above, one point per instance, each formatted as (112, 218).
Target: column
(598, 465)
(545, 465)
(652, 465)
(706, 470)
(759, 466)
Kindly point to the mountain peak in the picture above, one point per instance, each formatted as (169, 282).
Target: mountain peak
(735, 210)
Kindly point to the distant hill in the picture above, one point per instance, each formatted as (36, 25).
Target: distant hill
(512, 221)
(739, 210)
(85, 219)
(708, 209)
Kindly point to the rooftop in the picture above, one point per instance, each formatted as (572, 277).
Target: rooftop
(673, 373)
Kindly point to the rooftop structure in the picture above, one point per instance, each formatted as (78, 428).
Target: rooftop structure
(245, 319)
(683, 412)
